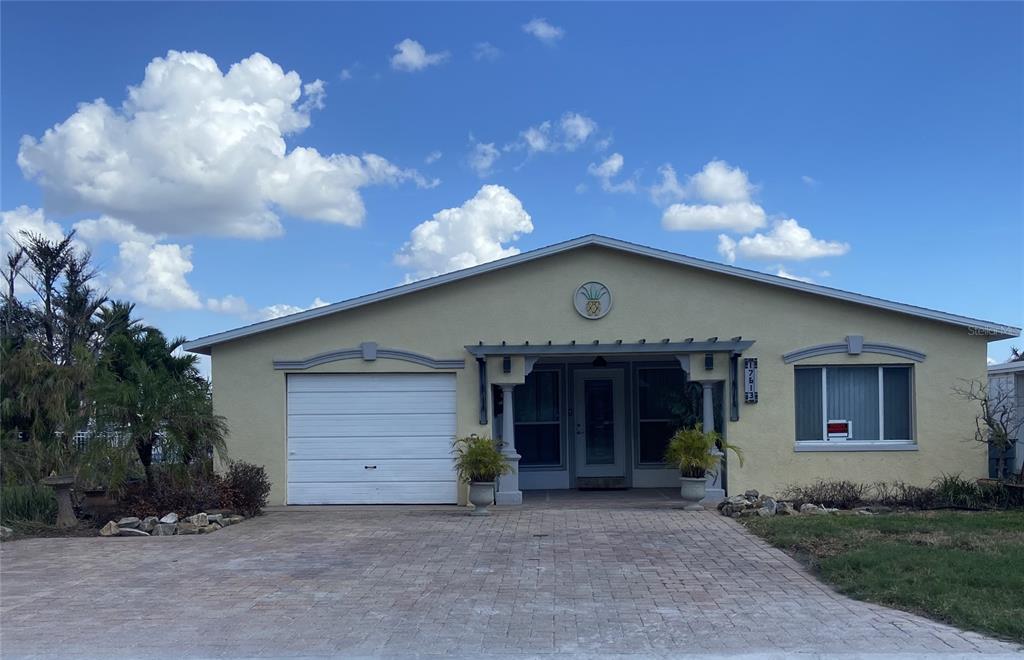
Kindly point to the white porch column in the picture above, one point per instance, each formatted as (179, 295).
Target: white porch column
(715, 492)
(508, 484)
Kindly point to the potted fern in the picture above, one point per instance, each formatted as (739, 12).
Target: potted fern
(696, 454)
(478, 462)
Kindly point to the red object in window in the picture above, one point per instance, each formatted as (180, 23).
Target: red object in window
(839, 427)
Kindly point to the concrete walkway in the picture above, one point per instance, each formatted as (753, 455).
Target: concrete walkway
(582, 573)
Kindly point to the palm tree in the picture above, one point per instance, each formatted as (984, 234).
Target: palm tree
(156, 396)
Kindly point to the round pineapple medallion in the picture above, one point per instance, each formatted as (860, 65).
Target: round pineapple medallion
(592, 300)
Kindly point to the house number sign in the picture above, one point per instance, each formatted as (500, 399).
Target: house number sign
(592, 300)
(750, 380)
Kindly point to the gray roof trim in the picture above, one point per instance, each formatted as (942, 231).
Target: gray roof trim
(360, 353)
(670, 348)
(868, 347)
(995, 331)
(1006, 368)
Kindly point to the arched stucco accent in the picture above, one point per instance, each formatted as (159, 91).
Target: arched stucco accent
(854, 345)
(369, 351)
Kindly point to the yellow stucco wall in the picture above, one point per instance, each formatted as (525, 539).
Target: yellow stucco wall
(652, 299)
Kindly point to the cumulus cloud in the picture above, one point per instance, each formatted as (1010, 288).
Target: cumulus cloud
(543, 30)
(410, 55)
(572, 131)
(607, 170)
(482, 158)
(283, 309)
(24, 220)
(725, 191)
(739, 216)
(461, 237)
(146, 270)
(576, 128)
(234, 305)
(786, 240)
(485, 50)
(193, 150)
(782, 272)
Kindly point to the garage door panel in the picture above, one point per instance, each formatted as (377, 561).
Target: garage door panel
(369, 470)
(370, 493)
(396, 425)
(362, 403)
(371, 383)
(371, 438)
(360, 447)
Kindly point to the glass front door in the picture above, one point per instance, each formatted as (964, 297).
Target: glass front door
(599, 419)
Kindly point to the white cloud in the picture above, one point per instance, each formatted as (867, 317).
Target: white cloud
(782, 272)
(482, 158)
(146, 270)
(412, 56)
(546, 32)
(14, 225)
(193, 150)
(486, 51)
(572, 131)
(27, 220)
(576, 128)
(739, 216)
(283, 309)
(786, 240)
(465, 236)
(989, 360)
(538, 138)
(432, 157)
(608, 170)
(234, 305)
(811, 181)
(719, 182)
(669, 189)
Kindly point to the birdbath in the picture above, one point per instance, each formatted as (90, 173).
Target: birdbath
(62, 489)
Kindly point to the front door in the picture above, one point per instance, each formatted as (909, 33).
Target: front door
(600, 423)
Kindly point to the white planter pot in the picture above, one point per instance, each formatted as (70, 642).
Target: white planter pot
(481, 496)
(692, 491)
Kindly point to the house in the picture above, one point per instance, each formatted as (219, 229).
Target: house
(583, 357)
(1006, 388)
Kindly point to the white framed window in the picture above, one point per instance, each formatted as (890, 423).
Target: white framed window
(874, 402)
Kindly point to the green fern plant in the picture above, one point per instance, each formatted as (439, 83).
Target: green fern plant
(478, 459)
(692, 451)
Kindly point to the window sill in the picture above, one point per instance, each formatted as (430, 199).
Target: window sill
(854, 446)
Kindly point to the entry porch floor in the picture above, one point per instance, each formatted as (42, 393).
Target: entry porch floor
(573, 573)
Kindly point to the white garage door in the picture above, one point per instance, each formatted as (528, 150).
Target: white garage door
(371, 438)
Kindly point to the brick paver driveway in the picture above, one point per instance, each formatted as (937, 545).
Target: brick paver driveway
(600, 573)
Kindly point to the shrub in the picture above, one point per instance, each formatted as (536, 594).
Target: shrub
(902, 494)
(32, 503)
(182, 490)
(478, 459)
(835, 494)
(245, 488)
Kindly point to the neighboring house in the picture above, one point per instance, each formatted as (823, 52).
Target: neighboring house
(591, 352)
(1006, 382)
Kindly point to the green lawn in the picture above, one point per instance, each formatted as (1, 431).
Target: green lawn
(966, 569)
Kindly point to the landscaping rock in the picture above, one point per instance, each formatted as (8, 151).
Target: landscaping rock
(110, 529)
(214, 517)
(769, 503)
(149, 523)
(751, 494)
(879, 508)
(6, 533)
(170, 518)
(199, 520)
(187, 528)
(128, 523)
(129, 531)
(165, 529)
(765, 512)
(785, 509)
(232, 520)
(809, 508)
(212, 527)
(748, 513)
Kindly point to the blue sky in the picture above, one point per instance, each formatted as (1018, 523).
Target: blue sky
(866, 146)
